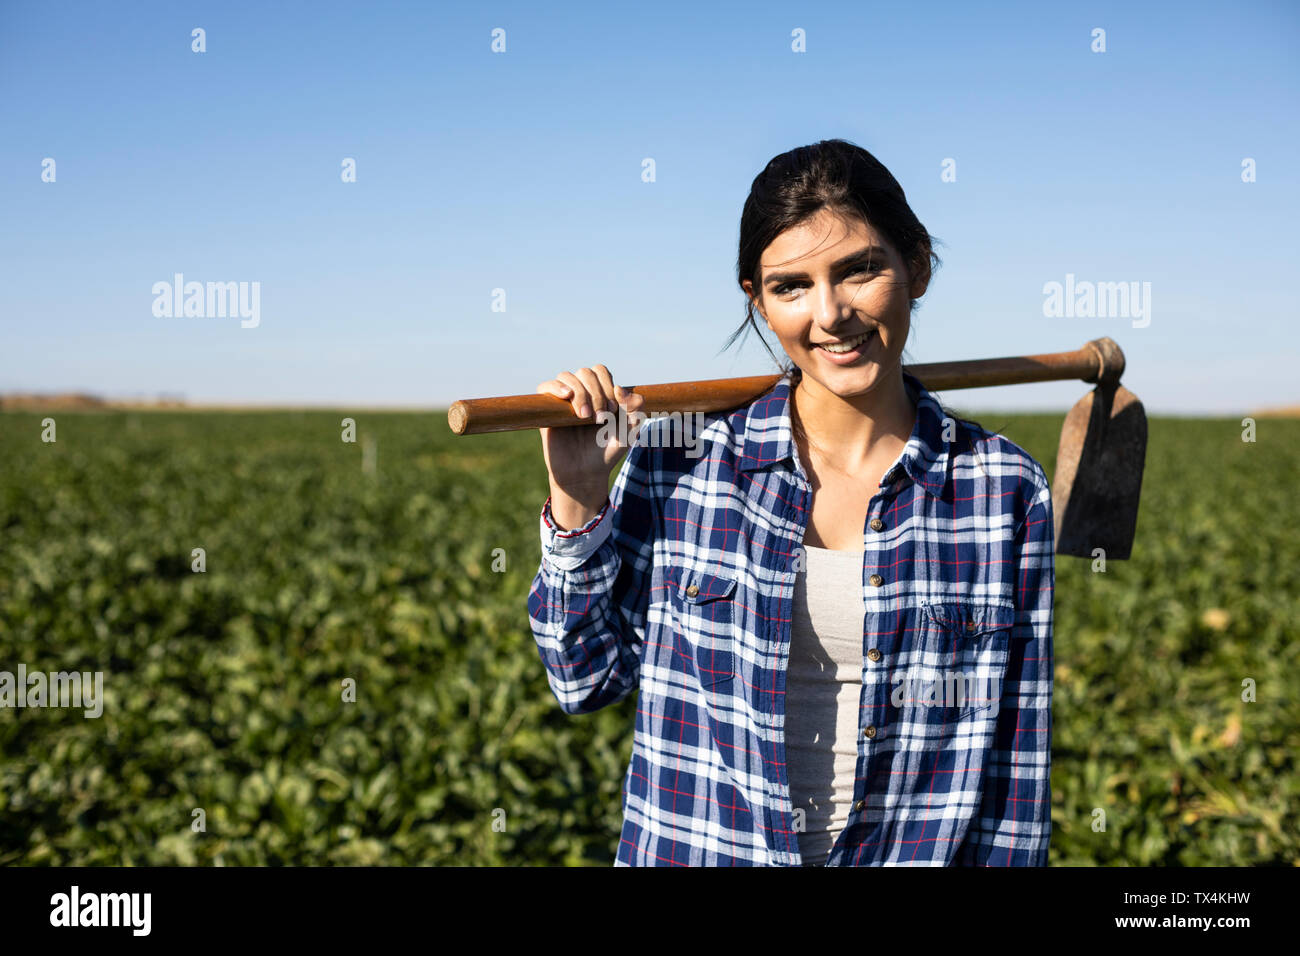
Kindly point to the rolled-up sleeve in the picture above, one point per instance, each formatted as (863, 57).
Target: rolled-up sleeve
(588, 602)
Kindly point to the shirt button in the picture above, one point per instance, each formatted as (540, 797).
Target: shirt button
(860, 805)
(869, 731)
(873, 655)
(692, 591)
(970, 625)
(876, 580)
(877, 524)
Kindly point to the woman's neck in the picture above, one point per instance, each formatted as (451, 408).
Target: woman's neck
(855, 432)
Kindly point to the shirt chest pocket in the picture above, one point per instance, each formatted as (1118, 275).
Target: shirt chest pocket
(958, 661)
(703, 607)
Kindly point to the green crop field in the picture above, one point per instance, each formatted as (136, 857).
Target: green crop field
(224, 690)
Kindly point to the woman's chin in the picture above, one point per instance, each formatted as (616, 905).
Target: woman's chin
(847, 382)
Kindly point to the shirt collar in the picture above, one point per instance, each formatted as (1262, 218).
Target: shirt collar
(769, 438)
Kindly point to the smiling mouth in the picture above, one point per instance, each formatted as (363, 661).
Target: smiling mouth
(848, 345)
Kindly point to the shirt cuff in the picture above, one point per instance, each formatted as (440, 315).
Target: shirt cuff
(568, 550)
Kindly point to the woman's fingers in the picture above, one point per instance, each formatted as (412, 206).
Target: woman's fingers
(555, 387)
(595, 389)
(606, 386)
(582, 399)
(589, 390)
(632, 401)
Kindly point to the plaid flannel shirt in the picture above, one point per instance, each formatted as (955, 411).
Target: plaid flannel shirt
(682, 588)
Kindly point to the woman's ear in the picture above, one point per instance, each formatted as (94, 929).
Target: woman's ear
(749, 290)
(920, 274)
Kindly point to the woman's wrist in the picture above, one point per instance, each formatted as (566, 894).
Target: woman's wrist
(572, 508)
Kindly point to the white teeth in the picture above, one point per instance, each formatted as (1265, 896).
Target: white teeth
(847, 346)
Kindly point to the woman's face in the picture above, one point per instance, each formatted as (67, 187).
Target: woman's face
(830, 281)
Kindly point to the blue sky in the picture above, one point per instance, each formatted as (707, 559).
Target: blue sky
(522, 171)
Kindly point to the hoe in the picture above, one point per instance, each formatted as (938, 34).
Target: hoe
(1098, 466)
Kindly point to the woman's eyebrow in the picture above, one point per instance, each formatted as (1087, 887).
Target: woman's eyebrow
(869, 252)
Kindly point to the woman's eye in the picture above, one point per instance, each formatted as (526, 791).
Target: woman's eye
(785, 287)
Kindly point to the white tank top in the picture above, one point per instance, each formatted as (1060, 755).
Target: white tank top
(822, 686)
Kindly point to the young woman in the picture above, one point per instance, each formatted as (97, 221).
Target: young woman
(839, 615)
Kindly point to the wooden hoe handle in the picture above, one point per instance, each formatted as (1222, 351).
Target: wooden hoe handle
(1098, 361)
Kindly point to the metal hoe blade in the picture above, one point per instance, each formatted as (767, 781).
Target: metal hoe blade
(1098, 476)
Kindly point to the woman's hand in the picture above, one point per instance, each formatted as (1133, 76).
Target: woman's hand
(577, 464)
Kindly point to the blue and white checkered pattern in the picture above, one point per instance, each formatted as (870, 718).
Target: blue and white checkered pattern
(682, 588)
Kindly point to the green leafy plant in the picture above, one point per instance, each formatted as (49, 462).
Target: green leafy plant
(224, 689)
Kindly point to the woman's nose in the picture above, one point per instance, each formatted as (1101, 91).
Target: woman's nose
(831, 307)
